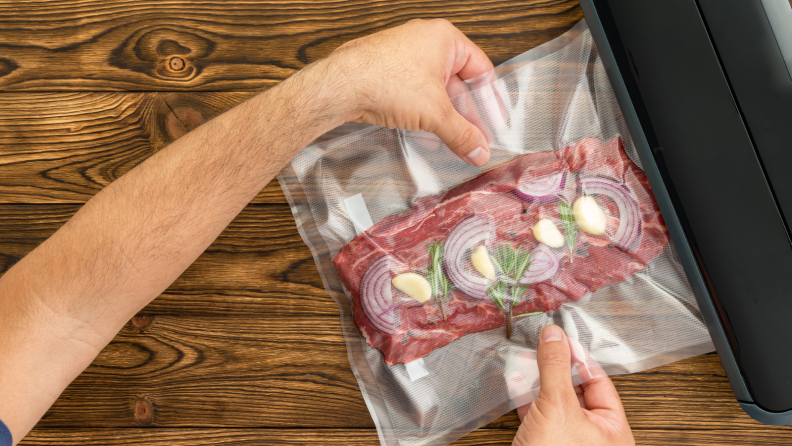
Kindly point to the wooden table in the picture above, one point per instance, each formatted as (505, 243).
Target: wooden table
(245, 347)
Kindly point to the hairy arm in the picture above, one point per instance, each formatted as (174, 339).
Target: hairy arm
(65, 301)
(61, 304)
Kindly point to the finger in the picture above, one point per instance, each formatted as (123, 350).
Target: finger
(470, 60)
(522, 411)
(456, 86)
(598, 389)
(586, 366)
(467, 107)
(600, 393)
(462, 137)
(579, 394)
(555, 368)
(522, 377)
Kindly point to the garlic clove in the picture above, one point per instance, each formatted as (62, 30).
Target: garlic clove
(413, 285)
(589, 216)
(546, 232)
(481, 261)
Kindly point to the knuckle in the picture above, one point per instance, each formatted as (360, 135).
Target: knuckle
(465, 138)
(441, 23)
(556, 398)
(553, 358)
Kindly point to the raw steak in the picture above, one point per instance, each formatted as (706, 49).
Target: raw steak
(596, 263)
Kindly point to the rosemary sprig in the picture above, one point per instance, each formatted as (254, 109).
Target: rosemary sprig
(512, 263)
(526, 314)
(497, 292)
(436, 276)
(505, 292)
(570, 229)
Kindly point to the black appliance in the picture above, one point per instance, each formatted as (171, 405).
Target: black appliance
(705, 87)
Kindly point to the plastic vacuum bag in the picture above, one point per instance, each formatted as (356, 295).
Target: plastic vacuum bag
(373, 203)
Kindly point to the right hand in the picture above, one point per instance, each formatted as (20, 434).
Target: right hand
(568, 415)
(398, 78)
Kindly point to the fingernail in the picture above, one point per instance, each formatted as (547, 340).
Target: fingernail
(552, 333)
(477, 157)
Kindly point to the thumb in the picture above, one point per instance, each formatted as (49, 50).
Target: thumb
(462, 137)
(555, 368)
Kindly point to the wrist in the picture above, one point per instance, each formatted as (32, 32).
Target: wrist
(318, 96)
(346, 69)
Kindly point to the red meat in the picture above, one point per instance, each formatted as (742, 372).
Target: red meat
(596, 263)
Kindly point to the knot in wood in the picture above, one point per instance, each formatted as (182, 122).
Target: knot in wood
(7, 66)
(143, 410)
(181, 119)
(177, 63)
(142, 322)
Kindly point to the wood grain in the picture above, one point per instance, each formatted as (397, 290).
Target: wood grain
(65, 147)
(232, 348)
(361, 437)
(99, 45)
(234, 437)
(170, 371)
(258, 266)
(246, 346)
(248, 337)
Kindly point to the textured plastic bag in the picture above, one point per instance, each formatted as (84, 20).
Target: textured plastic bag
(552, 105)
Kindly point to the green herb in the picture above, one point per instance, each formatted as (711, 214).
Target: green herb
(512, 263)
(570, 229)
(526, 314)
(497, 292)
(435, 275)
(518, 292)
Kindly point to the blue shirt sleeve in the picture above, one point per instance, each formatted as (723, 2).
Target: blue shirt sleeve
(5, 435)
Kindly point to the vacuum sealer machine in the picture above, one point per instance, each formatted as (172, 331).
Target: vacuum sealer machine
(705, 87)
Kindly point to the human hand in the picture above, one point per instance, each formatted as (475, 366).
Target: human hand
(563, 414)
(397, 78)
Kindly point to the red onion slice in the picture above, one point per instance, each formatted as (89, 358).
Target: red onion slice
(469, 233)
(544, 190)
(629, 212)
(544, 265)
(376, 297)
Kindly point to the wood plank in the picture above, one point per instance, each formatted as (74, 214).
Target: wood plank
(247, 336)
(65, 147)
(197, 437)
(258, 266)
(690, 394)
(148, 45)
(171, 371)
(710, 437)
(353, 437)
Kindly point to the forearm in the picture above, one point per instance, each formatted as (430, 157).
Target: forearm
(65, 301)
